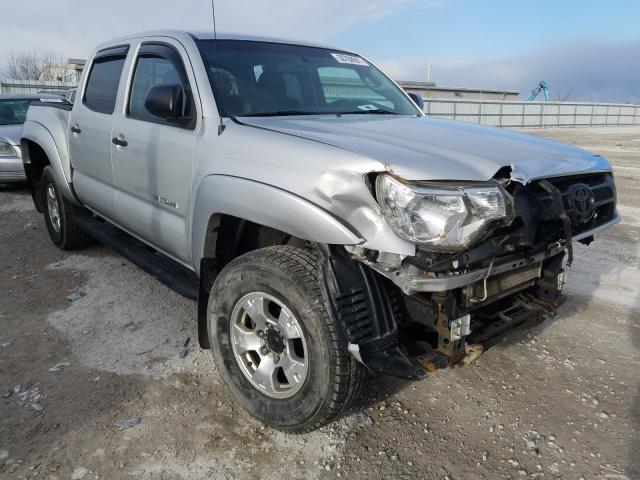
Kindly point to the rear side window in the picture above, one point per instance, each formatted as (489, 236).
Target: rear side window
(102, 85)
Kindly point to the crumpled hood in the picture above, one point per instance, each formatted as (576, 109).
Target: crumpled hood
(421, 148)
(10, 134)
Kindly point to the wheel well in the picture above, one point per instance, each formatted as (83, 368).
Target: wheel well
(35, 160)
(227, 238)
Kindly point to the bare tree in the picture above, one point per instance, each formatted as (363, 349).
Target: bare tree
(35, 66)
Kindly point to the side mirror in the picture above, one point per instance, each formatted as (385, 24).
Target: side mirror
(417, 100)
(165, 101)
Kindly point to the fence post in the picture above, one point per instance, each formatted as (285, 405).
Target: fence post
(524, 106)
(500, 114)
(575, 115)
(480, 111)
(606, 117)
(541, 113)
(455, 107)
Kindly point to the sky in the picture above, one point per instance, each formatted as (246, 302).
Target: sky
(585, 50)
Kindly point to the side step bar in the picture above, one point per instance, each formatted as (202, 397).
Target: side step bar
(167, 271)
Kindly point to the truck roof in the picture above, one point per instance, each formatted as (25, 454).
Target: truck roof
(208, 35)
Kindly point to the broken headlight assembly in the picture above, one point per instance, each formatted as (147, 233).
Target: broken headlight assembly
(442, 216)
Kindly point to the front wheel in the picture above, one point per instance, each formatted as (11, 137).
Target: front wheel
(275, 343)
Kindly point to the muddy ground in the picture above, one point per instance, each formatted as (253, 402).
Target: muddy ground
(559, 401)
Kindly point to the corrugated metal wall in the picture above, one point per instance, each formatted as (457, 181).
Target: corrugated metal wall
(34, 86)
(534, 114)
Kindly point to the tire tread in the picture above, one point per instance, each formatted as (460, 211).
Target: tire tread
(301, 267)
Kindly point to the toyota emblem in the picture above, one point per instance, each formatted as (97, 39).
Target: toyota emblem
(583, 202)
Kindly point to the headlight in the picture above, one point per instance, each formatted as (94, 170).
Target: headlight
(7, 150)
(447, 217)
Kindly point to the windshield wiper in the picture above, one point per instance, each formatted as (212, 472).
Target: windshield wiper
(283, 113)
(368, 112)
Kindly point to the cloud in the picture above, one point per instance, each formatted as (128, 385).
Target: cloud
(74, 27)
(580, 70)
(584, 69)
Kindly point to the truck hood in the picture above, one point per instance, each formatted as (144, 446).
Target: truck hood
(10, 134)
(422, 148)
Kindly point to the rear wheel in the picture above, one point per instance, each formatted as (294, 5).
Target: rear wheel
(59, 213)
(275, 343)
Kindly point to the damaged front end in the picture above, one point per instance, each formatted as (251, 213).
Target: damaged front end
(409, 315)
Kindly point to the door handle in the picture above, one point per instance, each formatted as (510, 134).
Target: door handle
(75, 129)
(121, 142)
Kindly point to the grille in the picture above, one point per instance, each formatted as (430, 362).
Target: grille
(504, 282)
(604, 199)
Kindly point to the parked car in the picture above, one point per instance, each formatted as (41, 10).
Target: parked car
(326, 227)
(13, 111)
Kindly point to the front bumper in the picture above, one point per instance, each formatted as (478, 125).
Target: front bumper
(12, 170)
(407, 336)
(413, 280)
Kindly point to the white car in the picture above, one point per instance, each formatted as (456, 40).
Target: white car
(13, 112)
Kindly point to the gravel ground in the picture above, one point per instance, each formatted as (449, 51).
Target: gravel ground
(559, 401)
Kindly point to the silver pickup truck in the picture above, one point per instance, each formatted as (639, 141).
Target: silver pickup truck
(326, 227)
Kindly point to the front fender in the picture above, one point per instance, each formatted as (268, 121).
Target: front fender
(38, 134)
(265, 205)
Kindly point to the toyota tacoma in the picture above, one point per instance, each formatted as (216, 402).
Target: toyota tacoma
(326, 227)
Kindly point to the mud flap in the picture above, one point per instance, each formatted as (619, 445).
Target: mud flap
(366, 310)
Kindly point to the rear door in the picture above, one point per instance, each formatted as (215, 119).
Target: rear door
(89, 133)
(152, 156)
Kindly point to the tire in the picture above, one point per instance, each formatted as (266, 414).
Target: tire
(286, 277)
(59, 213)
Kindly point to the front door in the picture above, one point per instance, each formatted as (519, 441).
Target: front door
(152, 156)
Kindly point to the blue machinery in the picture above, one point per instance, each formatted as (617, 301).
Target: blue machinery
(542, 87)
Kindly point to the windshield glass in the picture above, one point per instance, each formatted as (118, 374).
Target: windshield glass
(267, 79)
(13, 112)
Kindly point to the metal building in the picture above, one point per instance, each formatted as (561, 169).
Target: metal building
(431, 90)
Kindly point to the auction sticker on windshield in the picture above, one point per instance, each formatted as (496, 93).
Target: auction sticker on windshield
(350, 59)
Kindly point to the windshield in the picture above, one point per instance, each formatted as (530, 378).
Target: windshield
(267, 79)
(13, 112)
